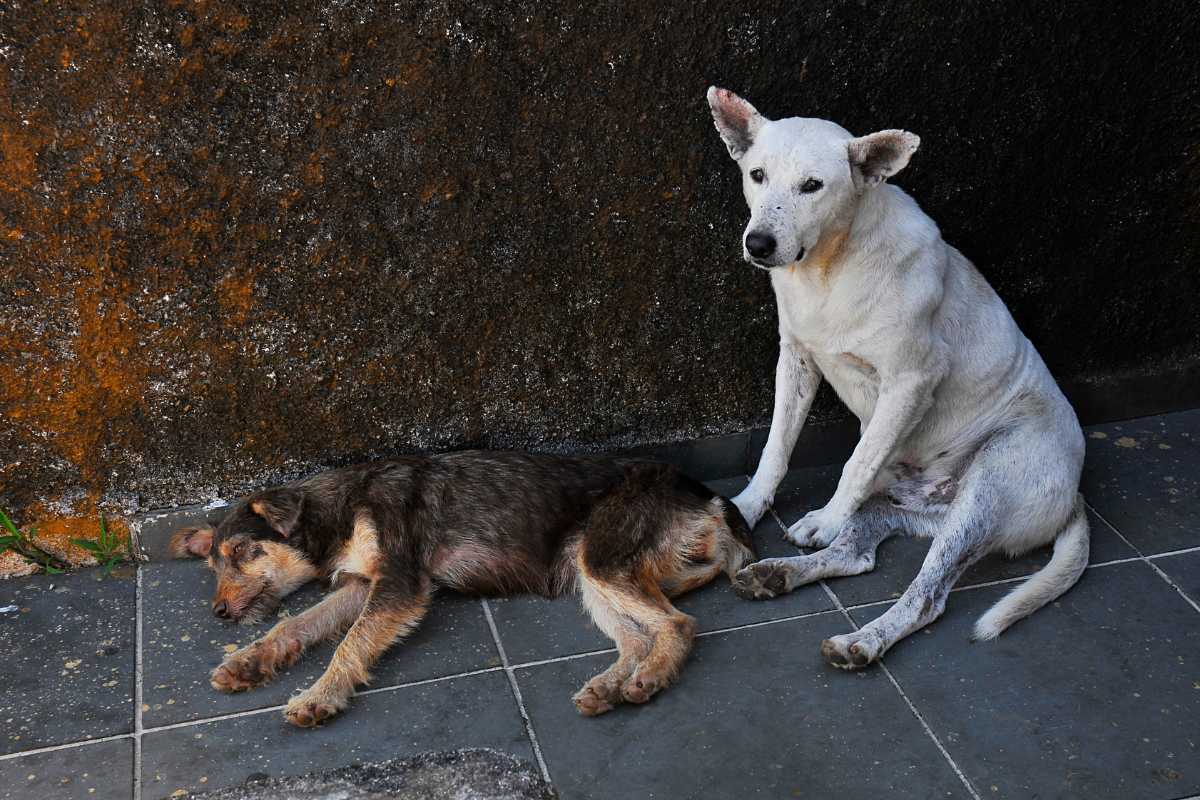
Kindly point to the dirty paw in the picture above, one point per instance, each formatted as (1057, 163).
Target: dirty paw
(240, 671)
(597, 697)
(641, 686)
(761, 580)
(309, 709)
(851, 650)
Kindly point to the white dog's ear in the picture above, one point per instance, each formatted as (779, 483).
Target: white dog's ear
(879, 156)
(737, 121)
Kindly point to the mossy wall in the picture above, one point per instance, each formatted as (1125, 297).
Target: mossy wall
(239, 240)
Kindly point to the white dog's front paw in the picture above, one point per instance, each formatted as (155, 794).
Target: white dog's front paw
(752, 506)
(816, 528)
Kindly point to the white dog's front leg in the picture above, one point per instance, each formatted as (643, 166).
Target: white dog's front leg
(902, 403)
(796, 382)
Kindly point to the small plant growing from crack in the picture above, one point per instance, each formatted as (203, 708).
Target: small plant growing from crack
(22, 543)
(106, 549)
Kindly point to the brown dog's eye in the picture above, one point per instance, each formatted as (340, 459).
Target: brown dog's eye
(810, 186)
(757, 175)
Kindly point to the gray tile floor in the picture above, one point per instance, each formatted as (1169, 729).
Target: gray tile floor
(1096, 696)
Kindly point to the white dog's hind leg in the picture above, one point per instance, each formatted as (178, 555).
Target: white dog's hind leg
(961, 544)
(1020, 486)
(851, 553)
(987, 494)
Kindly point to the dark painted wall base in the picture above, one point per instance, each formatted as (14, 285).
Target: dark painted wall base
(1109, 399)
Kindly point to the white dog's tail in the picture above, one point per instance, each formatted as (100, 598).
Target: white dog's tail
(1066, 565)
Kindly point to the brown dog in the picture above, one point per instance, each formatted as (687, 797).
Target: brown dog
(627, 534)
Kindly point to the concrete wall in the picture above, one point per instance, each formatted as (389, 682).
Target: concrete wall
(239, 240)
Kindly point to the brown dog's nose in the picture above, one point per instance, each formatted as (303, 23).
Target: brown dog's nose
(221, 609)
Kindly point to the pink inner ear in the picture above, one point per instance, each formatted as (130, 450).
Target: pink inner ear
(200, 543)
(734, 109)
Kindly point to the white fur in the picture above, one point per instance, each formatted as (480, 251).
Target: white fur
(918, 346)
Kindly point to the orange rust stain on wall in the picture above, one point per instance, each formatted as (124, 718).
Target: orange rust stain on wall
(235, 293)
(54, 536)
(314, 172)
(446, 187)
(107, 381)
(18, 166)
(73, 398)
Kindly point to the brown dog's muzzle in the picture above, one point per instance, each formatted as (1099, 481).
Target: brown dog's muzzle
(234, 598)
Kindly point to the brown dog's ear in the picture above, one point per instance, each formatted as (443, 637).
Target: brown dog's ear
(879, 156)
(191, 542)
(737, 121)
(280, 508)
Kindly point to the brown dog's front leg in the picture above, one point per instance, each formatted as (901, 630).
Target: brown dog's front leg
(386, 617)
(258, 662)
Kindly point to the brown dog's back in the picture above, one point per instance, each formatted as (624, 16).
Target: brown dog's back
(628, 534)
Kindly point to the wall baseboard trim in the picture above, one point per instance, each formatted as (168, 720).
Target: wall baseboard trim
(1109, 399)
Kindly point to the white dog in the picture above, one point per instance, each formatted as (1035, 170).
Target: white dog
(965, 437)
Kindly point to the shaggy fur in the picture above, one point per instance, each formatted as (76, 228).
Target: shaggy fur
(627, 534)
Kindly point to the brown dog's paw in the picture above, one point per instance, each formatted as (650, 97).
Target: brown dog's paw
(255, 664)
(641, 686)
(597, 697)
(241, 670)
(309, 709)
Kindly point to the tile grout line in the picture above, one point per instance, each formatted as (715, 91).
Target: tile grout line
(50, 748)
(1181, 552)
(232, 715)
(413, 684)
(1147, 560)
(251, 712)
(138, 638)
(559, 659)
(776, 621)
(516, 690)
(908, 702)
(837, 602)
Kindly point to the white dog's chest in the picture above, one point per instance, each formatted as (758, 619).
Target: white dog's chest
(816, 318)
(855, 380)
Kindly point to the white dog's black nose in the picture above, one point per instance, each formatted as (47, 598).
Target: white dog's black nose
(760, 245)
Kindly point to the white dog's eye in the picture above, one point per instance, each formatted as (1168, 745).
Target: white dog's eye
(757, 175)
(810, 185)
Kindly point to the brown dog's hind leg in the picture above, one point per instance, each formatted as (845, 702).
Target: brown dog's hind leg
(386, 616)
(603, 692)
(653, 639)
(258, 662)
(673, 634)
